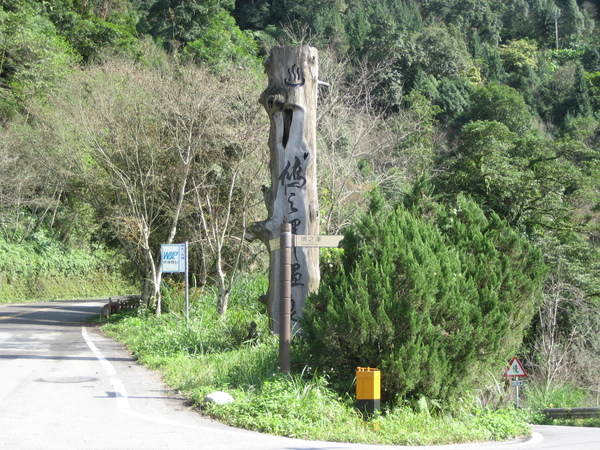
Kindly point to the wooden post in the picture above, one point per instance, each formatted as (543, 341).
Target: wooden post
(291, 102)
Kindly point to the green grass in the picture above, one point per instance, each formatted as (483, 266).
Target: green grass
(565, 395)
(40, 269)
(555, 396)
(62, 287)
(208, 354)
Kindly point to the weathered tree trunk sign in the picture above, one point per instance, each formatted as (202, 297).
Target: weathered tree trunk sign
(291, 103)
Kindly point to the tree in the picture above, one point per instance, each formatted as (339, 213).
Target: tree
(33, 57)
(441, 53)
(558, 338)
(519, 54)
(204, 27)
(130, 144)
(30, 196)
(226, 192)
(252, 14)
(469, 15)
(493, 69)
(562, 345)
(353, 136)
(222, 44)
(532, 183)
(423, 298)
(571, 21)
(93, 27)
(525, 19)
(363, 144)
(453, 98)
(500, 103)
(567, 95)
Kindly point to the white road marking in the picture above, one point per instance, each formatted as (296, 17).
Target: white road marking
(121, 393)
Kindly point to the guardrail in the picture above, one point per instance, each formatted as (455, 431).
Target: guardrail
(119, 303)
(571, 413)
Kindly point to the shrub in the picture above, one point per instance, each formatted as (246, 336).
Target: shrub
(429, 302)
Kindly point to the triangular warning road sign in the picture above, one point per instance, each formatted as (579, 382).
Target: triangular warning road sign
(515, 369)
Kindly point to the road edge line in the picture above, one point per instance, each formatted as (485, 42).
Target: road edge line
(121, 393)
(119, 387)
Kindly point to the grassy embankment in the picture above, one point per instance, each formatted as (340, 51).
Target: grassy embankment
(41, 269)
(209, 354)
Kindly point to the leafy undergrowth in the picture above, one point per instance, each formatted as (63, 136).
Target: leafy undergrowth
(538, 397)
(293, 407)
(40, 269)
(209, 354)
(591, 422)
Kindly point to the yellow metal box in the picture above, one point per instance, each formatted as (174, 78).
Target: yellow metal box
(368, 383)
(368, 389)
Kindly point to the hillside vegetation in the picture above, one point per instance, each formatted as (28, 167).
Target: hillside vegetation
(455, 137)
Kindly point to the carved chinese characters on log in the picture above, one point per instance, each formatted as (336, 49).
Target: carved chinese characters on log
(291, 100)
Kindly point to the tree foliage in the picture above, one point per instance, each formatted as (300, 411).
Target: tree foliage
(203, 29)
(141, 155)
(33, 57)
(534, 184)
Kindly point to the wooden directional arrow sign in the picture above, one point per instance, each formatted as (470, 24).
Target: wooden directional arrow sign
(309, 240)
(316, 240)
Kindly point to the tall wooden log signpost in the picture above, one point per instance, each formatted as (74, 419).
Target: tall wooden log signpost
(292, 204)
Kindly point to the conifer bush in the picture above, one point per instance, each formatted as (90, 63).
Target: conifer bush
(432, 300)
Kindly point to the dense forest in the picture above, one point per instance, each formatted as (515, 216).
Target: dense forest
(130, 123)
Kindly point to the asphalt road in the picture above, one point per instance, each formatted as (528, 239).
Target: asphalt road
(65, 386)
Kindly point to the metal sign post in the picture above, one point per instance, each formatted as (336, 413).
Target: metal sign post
(515, 370)
(517, 384)
(175, 260)
(187, 286)
(284, 244)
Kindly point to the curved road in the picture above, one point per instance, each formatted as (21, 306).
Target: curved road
(65, 386)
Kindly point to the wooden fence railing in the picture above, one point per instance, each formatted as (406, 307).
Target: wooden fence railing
(119, 303)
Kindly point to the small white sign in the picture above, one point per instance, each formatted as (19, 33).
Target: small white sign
(173, 258)
(517, 383)
(316, 240)
(309, 240)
